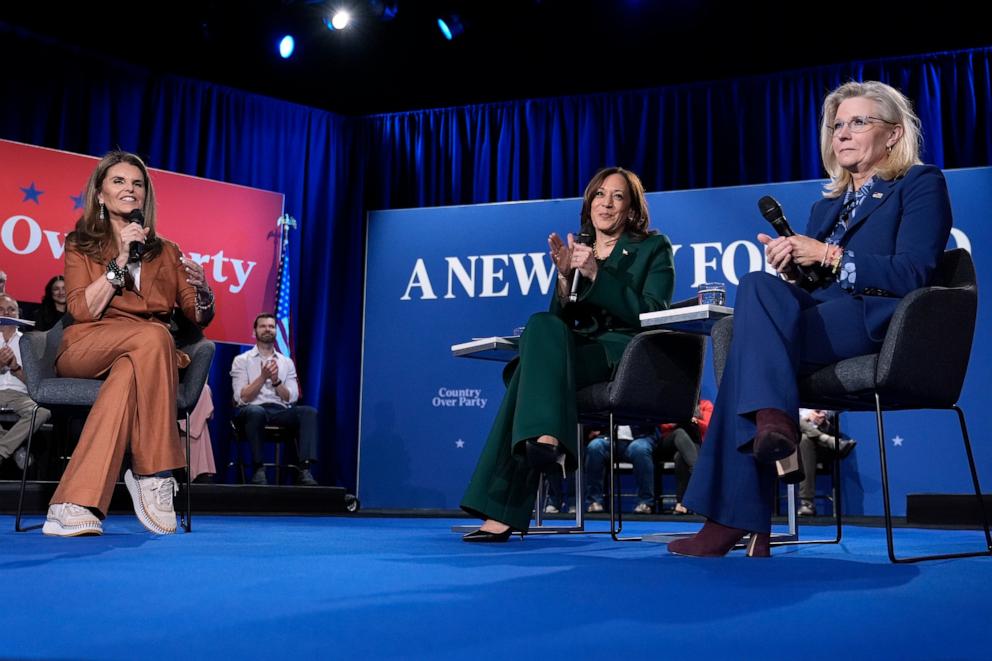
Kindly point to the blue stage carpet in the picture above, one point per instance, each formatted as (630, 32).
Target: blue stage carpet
(354, 588)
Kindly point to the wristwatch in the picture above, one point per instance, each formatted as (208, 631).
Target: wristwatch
(115, 274)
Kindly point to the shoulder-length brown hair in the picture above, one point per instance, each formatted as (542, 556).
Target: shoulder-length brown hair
(638, 217)
(94, 237)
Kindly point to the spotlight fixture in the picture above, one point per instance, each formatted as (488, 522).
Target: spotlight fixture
(450, 26)
(286, 47)
(339, 20)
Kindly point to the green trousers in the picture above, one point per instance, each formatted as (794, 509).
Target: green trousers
(540, 399)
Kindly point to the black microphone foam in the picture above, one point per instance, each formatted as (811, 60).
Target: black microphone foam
(772, 211)
(136, 249)
(585, 239)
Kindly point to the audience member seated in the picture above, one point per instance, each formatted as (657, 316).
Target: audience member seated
(818, 434)
(682, 443)
(52, 305)
(13, 391)
(634, 444)
(266, 390)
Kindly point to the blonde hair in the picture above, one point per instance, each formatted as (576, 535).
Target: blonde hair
(893, 107)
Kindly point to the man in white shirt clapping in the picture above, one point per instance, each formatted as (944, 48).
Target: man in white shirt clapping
(266, 390)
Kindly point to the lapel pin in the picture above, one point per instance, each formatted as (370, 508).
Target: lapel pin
(625, 252)
(877, 196)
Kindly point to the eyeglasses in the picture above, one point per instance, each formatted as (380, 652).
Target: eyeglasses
(858, 124)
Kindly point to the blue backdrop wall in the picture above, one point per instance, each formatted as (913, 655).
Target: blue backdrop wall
(333, 168)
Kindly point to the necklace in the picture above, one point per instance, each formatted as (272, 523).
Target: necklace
(606, 244)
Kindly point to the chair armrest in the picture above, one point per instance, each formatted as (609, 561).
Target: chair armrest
(928, 345)
(192, 379)
(38, 353)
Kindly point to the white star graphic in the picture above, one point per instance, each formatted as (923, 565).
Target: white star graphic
(897, 441)
(459, 443)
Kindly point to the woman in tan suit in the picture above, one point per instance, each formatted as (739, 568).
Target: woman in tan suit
(123, 282)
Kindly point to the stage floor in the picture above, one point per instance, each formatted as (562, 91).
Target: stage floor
(347, 587)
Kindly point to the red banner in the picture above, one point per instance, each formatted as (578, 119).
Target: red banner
(229, 229)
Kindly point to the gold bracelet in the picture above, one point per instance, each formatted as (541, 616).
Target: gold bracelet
(823, 262)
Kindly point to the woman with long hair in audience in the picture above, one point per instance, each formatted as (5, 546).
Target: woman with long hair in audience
(52, 304)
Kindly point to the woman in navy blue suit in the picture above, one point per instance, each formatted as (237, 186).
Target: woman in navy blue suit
(876, 236)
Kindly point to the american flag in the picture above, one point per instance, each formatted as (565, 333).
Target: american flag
(283, 285)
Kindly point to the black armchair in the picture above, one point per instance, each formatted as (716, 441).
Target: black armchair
(657, 381)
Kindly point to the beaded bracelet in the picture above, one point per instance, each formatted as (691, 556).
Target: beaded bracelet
(203, 306)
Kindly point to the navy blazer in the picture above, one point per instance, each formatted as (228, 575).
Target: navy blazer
(898, 234)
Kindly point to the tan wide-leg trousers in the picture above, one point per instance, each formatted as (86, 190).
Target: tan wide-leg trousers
(136, 405)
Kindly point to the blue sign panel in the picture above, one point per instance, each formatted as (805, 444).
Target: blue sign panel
(441, 276)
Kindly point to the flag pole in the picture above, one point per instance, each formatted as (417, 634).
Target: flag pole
(285, 223)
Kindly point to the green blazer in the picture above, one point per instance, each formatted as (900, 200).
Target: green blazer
(637, 277)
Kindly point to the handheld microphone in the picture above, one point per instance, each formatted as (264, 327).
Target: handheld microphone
(585, 239)
(772, 212)
(137, 248)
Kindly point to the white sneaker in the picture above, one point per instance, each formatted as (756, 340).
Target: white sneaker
(594, 507)
(152, 498)
(642, 508)
(550, 509)
(71, 520)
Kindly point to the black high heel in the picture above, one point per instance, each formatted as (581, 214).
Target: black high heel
(543, 457)
(486, 537)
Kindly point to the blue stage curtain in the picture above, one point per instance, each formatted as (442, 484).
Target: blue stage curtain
(333, 169)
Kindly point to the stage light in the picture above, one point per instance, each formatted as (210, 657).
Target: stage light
(286, 47)
(340, 20)
(450, 26)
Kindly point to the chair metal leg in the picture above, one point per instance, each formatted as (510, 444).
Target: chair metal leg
(616, 504)
(974, 475)
(885, 493)
(835, 493)
(24, 474)
(188, 523)
(539, 502)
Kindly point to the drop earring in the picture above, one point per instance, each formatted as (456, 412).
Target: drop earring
(103, 215)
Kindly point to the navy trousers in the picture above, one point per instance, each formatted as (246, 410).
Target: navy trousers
(780, 331)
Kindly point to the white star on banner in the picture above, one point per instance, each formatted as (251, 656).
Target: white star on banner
(459, 443)
(897, 441)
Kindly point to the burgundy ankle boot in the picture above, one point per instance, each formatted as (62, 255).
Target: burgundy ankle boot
(715, 540)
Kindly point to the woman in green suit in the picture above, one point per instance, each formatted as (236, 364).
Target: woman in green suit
(626, 271)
